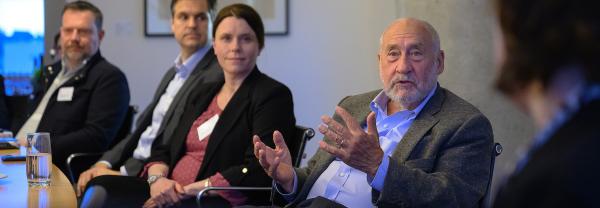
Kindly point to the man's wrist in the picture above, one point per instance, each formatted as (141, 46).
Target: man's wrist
(373, 169)
(103, 164)
(153, 178)
(289, 186)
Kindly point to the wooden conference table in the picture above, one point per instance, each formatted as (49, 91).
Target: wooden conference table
(15, 192)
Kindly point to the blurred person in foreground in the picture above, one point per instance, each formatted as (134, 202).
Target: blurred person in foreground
(551, 70)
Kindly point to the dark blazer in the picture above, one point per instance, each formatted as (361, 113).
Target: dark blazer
(91, 120)
(260, 106)
(564, 171)
(4, 112)
(443, 160)
(207, 70)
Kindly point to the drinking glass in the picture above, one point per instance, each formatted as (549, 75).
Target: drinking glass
(38, 159)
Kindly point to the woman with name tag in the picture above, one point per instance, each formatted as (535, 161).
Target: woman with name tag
(214, 145)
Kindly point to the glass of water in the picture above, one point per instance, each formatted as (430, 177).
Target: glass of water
(38, 159)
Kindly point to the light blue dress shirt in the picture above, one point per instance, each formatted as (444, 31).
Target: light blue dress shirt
(183, 69)
(351, 187)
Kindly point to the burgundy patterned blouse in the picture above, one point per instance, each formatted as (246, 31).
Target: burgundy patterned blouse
(187, 168)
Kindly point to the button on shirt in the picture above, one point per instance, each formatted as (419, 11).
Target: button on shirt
(183, 70)
(351, 187)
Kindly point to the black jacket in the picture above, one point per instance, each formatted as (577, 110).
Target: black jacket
(260, 106)
(90, 121)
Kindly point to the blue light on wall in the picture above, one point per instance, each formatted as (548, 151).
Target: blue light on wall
(21, 43)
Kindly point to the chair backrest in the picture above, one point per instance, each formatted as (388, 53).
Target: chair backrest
(125, 129)
(486, 200)
(303, 134)
(79, 162)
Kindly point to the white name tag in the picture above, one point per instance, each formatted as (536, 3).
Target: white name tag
(65, 94)
(207, 127)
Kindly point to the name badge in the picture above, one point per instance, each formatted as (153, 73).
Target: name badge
(65, 94)
(207, 127)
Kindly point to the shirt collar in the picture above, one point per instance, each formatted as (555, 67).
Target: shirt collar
(379, 105)
(186, 66)
(67, 71)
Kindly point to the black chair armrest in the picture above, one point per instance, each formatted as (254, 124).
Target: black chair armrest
(79, 162)
(303, 135)
(486, 201)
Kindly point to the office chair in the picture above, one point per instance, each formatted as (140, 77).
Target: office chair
(303, 134)
(486, 200)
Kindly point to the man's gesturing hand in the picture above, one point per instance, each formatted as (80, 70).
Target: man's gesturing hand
(354, 146)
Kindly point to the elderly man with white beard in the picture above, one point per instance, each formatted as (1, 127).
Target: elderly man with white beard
(412, 144)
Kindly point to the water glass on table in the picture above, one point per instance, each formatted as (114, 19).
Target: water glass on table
(38, 160)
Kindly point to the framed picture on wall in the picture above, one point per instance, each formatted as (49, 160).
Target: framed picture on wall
(274, 13)
(157, 18)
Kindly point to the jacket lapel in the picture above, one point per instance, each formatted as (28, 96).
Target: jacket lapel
(195, 108)
(81, 75)
(145, 119)
(420, 126)
(176, 107)
(360, 114)
(230, 115)
(146, 116)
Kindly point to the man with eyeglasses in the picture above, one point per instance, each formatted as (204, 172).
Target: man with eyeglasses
(196, 64)
(84, 98)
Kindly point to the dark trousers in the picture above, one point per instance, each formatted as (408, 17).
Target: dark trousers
(129, 191)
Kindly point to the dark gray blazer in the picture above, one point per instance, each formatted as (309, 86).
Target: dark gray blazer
(207, 70)
(442, 161)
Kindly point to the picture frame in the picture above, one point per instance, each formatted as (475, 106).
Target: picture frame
(274, 13)
(157, 18)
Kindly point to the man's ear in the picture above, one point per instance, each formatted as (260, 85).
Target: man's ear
(440, 62)
(101, 35)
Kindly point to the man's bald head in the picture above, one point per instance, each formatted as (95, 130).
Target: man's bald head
(412, 25)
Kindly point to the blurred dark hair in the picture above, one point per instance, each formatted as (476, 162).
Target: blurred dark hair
(211, 6)
(247, 13)
(85, 6)
(542, 36)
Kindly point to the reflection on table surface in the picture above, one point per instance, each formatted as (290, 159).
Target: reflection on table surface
(15, 192)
